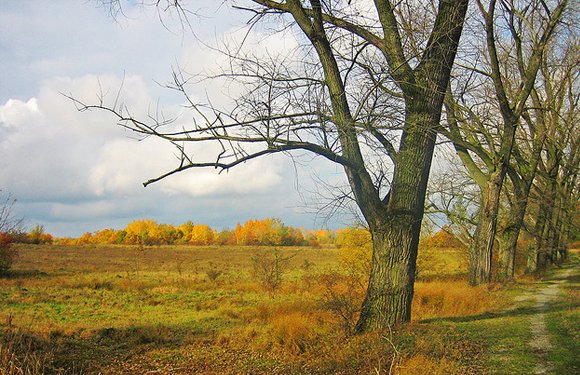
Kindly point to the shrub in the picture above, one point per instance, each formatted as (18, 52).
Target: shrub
(213, 272)
(38, 236)
(343, 296)
(269, 269)
(7, 252)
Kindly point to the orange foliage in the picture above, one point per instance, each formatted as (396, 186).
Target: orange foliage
(267, 232)
(444, 238)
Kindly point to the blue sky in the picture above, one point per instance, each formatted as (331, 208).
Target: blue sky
(74, 172)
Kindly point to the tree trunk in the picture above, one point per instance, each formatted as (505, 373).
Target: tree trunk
(396, 230)
(390, 289)
(544, 229)
(396, 226)
(506, 257)
(481, 249)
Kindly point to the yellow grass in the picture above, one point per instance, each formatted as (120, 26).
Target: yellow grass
(453, 298)
(117, 309)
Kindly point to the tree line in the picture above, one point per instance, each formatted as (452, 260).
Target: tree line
(265, 232)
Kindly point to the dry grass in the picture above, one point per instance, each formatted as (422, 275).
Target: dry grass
(421, 364)
(115, 309)
(438, 299)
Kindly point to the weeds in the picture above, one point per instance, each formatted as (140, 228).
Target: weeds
(18, 354)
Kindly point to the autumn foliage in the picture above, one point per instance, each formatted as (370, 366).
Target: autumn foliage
(444, 238)
(6, 252)
(354, 243)
(267, 232)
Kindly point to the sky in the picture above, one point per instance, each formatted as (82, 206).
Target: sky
(74, 172)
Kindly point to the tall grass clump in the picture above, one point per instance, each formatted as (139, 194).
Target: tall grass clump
(18, 354)
(436, 299)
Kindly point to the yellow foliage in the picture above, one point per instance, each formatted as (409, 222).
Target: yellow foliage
(266, 232)
(149, 232)
(355, 249)
(202, 234)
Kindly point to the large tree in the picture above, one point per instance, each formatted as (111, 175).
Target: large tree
(356, 93)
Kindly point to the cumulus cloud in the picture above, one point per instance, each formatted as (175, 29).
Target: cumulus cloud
(56, 154)
(77, 171)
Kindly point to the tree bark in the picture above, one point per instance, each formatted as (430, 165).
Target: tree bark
(396, 233)
(506, 256)
(480, 255)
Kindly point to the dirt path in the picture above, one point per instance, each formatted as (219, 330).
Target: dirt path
(540, 343)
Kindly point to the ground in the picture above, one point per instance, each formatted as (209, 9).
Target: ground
(184, 310)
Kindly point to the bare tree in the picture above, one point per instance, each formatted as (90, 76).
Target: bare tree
(556, 187)
(358, 93)
(9, 223)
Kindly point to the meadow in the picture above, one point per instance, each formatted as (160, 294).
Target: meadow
(226, 310)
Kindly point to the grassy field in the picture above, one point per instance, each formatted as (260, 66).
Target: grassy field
(169, 309)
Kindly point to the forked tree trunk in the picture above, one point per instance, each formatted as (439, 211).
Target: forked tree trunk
(396, 232)
(395, 223)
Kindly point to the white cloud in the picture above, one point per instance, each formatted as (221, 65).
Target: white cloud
(16, 112)
(256, 177)
(76, 171)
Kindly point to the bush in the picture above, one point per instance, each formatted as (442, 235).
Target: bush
(7, 252)
(343, 296)
(269, 269)
(38, 236)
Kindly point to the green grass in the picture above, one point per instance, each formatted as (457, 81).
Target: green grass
(563, 325)
(115, 309)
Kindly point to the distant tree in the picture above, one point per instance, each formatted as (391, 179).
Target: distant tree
(202, 234)
(38, 235)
